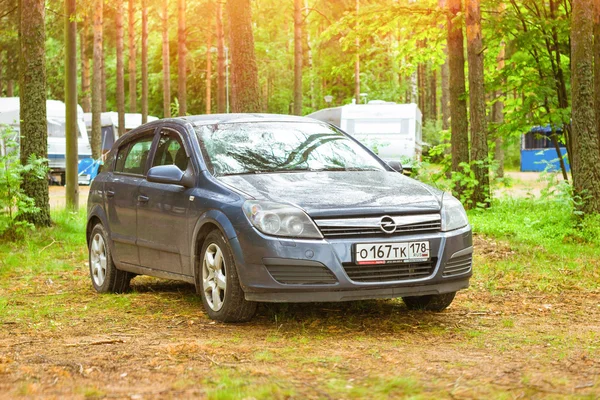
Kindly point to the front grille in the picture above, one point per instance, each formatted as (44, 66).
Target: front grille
(333, 232)
(372, 226)
(390, 272)
(459, 265)
(302, 274)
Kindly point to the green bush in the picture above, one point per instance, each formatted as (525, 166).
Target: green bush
(13, 202)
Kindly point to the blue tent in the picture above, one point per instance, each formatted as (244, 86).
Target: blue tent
(538, 152)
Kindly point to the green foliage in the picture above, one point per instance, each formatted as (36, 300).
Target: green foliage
(547, 221)
(13, 201)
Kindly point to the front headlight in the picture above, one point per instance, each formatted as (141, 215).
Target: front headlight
(453, 213)
(280, 220)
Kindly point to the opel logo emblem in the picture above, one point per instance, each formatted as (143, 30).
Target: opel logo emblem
(387, 225)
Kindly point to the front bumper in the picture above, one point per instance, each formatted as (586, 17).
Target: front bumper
(257, 254)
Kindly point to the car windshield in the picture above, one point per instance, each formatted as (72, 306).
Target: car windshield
(263, 147)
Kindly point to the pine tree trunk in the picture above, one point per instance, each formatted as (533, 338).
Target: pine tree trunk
(71, 153)
(479, 144)
(298, 17)
(498, 116)
(458, 104)
(165, 58)
(244, 72)
(444, 77)
(144, 61)
(313, 103)
(421, 81)
(120, 67)
(103, 80)
(2, 75)
(208, 82)
(585, 156)
(181, 58)
(357, 58)
(32, 88)
(86, 102)
(96, 139)
(221, 94)
(433, 94)
(132, 59)
(597, 63)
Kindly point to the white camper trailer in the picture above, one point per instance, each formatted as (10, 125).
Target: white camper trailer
(110, 126)
(57, 142)
(393, 129)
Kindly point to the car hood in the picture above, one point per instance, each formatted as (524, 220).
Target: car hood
(339, 193)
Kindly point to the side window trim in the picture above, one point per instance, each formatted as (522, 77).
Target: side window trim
(149, 133)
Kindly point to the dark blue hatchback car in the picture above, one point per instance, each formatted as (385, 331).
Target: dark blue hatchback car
(268, 208)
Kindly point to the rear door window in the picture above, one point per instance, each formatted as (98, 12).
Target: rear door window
(131, 158)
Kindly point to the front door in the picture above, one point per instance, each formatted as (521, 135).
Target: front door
(122, 188)
(162, 231)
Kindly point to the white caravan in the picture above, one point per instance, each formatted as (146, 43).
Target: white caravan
(110, 124)
(391, 130)
(57, 142)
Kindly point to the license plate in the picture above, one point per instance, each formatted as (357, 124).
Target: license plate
(383, 253)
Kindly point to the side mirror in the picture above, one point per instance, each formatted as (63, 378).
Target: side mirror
(395, 165)
(169, 174)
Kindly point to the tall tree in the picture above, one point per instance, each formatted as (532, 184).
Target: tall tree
(181, 57)
(86, 101)
(72, 187)
(165, 59)
(221, 89)
(96, 142)
(209, 40)
(298, 52)
(32, 88)
(597, 63)
(120, 67)
(479, 144)
(458, 104)
(357, 57)
(132, 58)
(144, 61)
(585, 157)
(444, 84)
(103, 81)
(245, 88)
(498, 118)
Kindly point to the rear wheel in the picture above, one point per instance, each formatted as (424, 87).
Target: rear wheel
(106, 278)
(431, 302)
(222, 295)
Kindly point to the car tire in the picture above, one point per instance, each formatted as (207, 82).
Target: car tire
(431, 302)
(105, 276)
(222, 295)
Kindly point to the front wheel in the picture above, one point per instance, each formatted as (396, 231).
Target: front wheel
(431, 302)
(222, 295)
(106, 278)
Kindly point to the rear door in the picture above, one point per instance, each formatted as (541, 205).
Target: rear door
(163, 236)
(122, 187)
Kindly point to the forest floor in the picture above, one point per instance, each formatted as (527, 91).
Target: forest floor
(528, 327)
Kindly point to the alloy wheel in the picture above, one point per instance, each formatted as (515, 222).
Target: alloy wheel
(98, 259)
(214, 279)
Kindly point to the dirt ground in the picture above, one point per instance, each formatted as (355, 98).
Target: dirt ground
(156, 342)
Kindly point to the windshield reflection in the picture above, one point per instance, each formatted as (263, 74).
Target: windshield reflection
(263, 147)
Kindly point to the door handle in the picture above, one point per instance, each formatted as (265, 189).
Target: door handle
(143, 199)
(110, 194)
